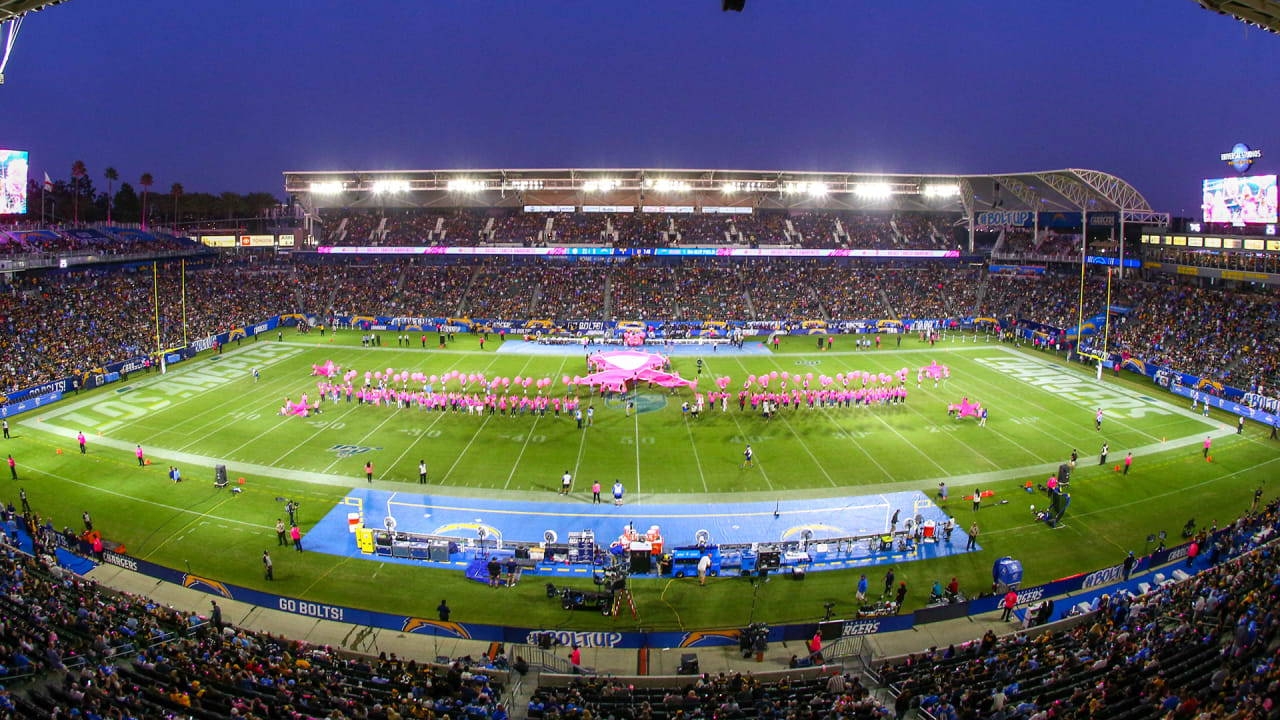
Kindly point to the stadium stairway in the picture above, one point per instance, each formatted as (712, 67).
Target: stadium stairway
(979, 295)
(608, 296)
(885, 299)
(466, 292)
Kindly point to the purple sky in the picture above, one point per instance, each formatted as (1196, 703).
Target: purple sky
(202, 94)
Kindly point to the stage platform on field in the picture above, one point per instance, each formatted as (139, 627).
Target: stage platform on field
(679, 525)
(524, 347)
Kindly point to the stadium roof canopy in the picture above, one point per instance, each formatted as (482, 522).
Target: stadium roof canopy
(1068, 190)
(11, 14)
(1260, 13)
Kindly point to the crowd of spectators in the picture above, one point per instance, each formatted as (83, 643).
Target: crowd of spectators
(90, 652)
(642, 229)
(817, 229)
(788, 289)
(1247, 261)
(703, 229)
(916, 231)
(520, 227)
(732, 696)
(571, 291)
(64, 322)
(502, 290)
(760, 228)
(409, 227)
(712, 291)
(579, 228)
(1227, 336)
(67, 322)
(932, 292)
(1200, 648)
(43, 240)
(642, 289)
(352, 227)
(852, 293)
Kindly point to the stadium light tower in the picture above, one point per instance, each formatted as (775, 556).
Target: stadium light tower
(11, 14)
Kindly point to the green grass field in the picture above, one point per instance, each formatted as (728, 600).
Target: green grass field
(210, 410)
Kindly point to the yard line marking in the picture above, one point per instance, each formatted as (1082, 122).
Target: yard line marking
(529, 435)
(803, 444)
(637, 451)
(184, 528)
(1008, 439)
(259, 435)
(695, 456)
(1046, 415)
(465, 449)
(581, 445)
(841, 428)
(178, 375)
(1119, 389)
(660, 516)
(414, 444)
(367, 435)
(135, 498)
(516, 465)
(743, 433)
(481, 428)
(319, 430)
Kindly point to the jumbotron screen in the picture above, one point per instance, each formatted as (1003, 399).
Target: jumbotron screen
(1249, 199)
(13, 182)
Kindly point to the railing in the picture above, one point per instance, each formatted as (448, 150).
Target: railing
(848, 647)
(547, 660)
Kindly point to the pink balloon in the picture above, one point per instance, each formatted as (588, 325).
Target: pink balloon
(808, 376)
(774, 374)
(368, 375)
(751, 379)
(565, 379)
(389, 371)
(378, 374)
(506, 382)
(528, 382)
(517, 379)
(785, 375)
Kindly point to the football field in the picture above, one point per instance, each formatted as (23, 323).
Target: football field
(212, 411)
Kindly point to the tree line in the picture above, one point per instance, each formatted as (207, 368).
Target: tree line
(78, 200)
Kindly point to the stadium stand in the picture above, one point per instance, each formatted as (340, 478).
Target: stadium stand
(1230, 336)
(1196, 648)
(820, 694)
(84, 651)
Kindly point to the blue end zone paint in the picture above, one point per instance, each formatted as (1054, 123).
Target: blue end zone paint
(522, 347)
(678, 523)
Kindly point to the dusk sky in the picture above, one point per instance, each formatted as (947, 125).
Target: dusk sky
(226, 96)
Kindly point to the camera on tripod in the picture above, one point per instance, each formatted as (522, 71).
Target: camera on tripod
(753, 639)
(613, 578)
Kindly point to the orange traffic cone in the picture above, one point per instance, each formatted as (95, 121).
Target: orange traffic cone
(1117, 468)
(148, 462)
(241, 481)
(59, 451)
(1208, 458)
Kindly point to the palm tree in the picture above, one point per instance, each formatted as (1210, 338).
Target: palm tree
(111, 176)
(78, 170)
(176, 191)
(146, 182)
